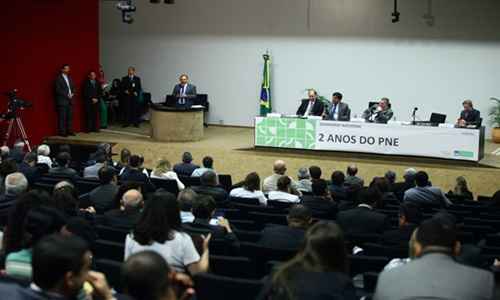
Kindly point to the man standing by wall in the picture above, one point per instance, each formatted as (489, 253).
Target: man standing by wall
(65, 91)
(92, 94)
(131, 87)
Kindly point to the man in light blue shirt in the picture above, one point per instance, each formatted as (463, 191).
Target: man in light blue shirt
(424, 194)
(208, 164)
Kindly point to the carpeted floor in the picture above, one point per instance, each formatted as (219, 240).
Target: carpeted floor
(233, 153)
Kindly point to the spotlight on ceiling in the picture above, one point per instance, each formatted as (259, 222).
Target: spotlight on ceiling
(169, 1)
(155, 1)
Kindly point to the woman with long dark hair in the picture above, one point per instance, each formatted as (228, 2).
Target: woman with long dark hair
(159, 229)
(318, 271)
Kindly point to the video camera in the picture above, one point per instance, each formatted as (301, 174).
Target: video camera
(14, 104)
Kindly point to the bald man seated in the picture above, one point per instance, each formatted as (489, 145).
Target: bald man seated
(271, 183)
(129, 212)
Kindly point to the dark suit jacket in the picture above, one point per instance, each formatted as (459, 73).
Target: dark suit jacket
(62, 91)
(184, 169)
(399, 188)
(102, 197)
(281, 237)
(343, 112)
(190, 90)
(320, 206)
(471, 117)
(123, 219)
(17, 155)
(137, 176)
(31, 173)
(317, 109)
(91, 91)
(398, 237)
(219, 194)
(132, 86)
(362, 220)
(6, 202)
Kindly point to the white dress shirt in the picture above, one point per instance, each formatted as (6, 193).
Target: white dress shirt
(70, 93)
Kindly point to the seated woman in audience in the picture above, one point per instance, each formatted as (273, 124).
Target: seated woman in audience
(163, 170)
(14, 231)
(461, 189)
(250, 189)
(382, 185)
(159, 229)
(318, 271)
(39, 223)
(124, 157)
(43, 152)
(284, 192)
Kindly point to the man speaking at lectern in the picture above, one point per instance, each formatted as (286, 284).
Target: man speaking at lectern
(184, 92)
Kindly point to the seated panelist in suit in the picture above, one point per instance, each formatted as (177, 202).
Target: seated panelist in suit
(339, 111)
(184, 91)
(380, 112)
(311, 106)
(469, 116)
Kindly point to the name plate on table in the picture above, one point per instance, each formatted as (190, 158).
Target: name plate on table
(314, 134)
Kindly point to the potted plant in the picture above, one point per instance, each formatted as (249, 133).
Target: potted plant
(495, 120)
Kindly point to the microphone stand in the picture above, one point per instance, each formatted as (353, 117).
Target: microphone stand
(414, 116)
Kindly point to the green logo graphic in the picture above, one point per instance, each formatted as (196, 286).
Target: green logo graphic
(286, 133)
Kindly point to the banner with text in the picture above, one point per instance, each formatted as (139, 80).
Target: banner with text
(313, 134)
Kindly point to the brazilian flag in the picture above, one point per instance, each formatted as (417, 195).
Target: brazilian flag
(265, 92)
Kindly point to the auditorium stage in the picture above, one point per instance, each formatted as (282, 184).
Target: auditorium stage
(234, 153)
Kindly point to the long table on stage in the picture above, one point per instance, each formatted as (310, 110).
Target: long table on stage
(391, 139)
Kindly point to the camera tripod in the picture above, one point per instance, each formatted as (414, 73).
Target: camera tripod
(16, 124)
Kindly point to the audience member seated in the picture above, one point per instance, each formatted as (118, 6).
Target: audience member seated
(7, 167)
(209, 186)
(399, 188)
(28, 168)
(425, 195)
(337, 188)
(203, 212)
(163, 170)
(138, 270)
(208, 165)
(364, 219)
(284, 192)
(65, 198)
(139, 162)
(61, 265)
(129, 212)
(352, 181)
(159, 229)
(124, 158)
(134, 173)
(17, 153)
(4, 153)
(391, 179)
(40, 222)
(92, 172)
(304, 180)
(435, 273)
(186, 199)
(318, 271)
(383, 186)
(77, 226)
(43, 152)
(410, 217)
(271, 183)
(288, 237)
(186, 167)
(63, 159)
(15, 184)
(315, 173)
(102, 196)
(320, 203)
(461, 189)
(250, 189)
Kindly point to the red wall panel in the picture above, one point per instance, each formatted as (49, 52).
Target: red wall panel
(37, 37)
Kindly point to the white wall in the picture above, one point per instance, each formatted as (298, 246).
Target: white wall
(349, 46)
